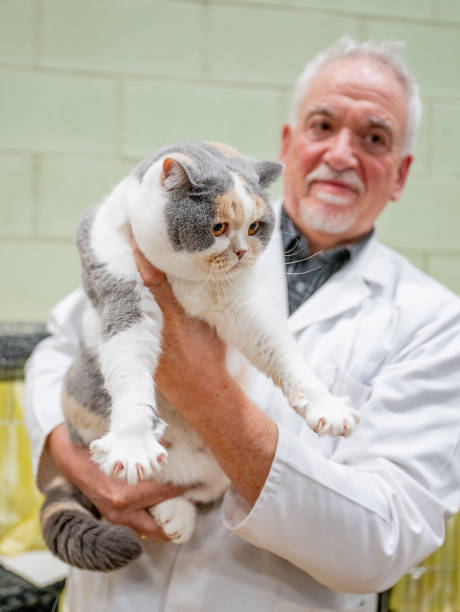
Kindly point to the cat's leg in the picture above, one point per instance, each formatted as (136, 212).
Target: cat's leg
(267, 343)
(131, 449)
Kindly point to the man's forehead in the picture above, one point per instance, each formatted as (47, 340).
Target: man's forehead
(361, 81)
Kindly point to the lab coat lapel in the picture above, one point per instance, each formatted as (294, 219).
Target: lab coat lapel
(338, 295)
(344, 291)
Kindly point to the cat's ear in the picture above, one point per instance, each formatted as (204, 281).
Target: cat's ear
(174, 174)
(268, 172)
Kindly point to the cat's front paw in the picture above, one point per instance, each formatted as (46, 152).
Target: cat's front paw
(176, 516)
(130, 458)
(328, 415)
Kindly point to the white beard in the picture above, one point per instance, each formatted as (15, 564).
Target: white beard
(329, 214)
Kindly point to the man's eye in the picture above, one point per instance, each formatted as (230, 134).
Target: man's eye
(320, 128)
(376, 141)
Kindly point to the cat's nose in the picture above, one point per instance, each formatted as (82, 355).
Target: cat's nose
(240, 253)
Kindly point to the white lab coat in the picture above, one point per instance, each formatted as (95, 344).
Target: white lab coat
(336, 517)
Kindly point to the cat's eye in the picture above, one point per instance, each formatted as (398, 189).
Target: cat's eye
(219, 228)
(253, 228)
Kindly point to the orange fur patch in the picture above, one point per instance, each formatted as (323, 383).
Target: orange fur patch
(260, 206)
(81, 418)
(226, 150)
(62, 506)
(183, 158)
(229, 208)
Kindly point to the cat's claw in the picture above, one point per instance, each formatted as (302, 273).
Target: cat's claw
(176, 516)
(128, 458)
(330, 415)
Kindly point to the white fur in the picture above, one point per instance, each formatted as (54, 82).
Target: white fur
(176, 517)
(235, 304)
(128, 361)
(110, 231)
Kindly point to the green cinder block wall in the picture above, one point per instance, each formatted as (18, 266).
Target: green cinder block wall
(88, 88)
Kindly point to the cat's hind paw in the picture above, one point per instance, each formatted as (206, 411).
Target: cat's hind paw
(332, 415)
(176, 516)
(130, 458)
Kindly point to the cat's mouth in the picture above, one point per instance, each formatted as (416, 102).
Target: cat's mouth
(224, 266)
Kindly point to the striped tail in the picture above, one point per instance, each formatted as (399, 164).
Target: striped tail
(73, 531)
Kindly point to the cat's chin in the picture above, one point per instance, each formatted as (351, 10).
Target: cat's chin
(230, 272)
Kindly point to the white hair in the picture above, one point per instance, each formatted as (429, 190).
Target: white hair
(386, 52)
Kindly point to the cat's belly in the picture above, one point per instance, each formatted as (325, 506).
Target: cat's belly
(188, 466)
(190, 462)
(86, 407)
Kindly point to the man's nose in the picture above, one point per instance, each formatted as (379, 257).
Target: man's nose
(340, 154)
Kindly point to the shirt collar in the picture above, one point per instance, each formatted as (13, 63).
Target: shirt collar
(294, 240)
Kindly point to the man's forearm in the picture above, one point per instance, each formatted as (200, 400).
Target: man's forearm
(241, 437)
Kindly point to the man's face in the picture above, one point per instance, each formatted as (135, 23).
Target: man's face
(344, 157)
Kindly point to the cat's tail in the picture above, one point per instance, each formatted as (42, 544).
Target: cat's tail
(73, 531)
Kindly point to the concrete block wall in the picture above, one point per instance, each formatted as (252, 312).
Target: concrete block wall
(88, 88)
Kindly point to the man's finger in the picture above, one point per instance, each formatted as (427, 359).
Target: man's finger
(155, 280)
(151, 276)
(138, 497)
(143, 523)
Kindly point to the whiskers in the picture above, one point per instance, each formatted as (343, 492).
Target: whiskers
(297, 261)
(296, 243)
(200, 288)
(223, 282)
(218, 273)
(219, 277)
(290, 263)
(304, 271)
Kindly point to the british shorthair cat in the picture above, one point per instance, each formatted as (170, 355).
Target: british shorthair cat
(199, 212)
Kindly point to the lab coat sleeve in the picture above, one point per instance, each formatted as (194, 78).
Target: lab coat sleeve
(44, 374)
(357, 520)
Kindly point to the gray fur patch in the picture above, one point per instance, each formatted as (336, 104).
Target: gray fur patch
(84, 382)
(267, 225)
(74, 435)
(158, 425)
(65, 493)
(191, 210)
(117, 301)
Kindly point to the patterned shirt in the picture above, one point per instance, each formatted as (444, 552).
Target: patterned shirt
(306, 273)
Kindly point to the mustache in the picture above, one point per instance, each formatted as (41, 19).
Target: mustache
(325, 173)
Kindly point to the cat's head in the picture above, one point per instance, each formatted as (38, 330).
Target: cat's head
(202, 209)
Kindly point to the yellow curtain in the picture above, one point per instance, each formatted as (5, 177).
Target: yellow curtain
(434, 585)
(20, 499)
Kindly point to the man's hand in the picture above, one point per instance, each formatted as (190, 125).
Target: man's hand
(117, 501)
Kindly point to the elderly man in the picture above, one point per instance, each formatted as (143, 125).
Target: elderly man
(309, 523)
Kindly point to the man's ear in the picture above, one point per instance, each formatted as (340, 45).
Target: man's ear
(403, 171)
(286, 135)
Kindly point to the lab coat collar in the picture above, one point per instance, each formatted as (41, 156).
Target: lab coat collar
(345, 290)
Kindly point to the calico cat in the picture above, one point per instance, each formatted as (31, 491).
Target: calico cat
(198, 212)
